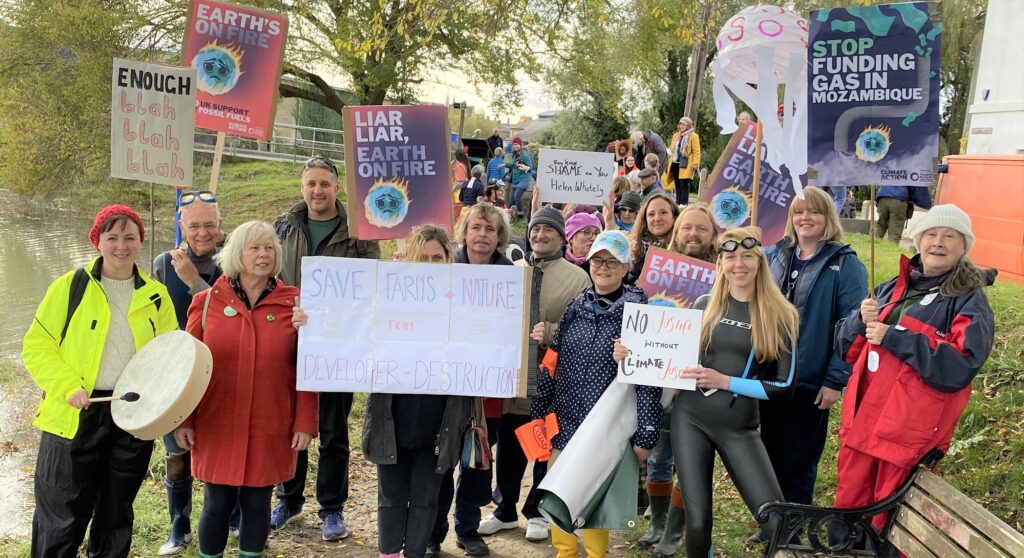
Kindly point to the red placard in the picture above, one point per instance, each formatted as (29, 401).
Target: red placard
(674, 280)
(237, 53)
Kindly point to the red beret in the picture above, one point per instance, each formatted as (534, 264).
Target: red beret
(112, 211)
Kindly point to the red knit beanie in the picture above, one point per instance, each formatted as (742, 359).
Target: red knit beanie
(107, 213)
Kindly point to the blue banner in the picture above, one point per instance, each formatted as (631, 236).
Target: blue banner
(873, 95)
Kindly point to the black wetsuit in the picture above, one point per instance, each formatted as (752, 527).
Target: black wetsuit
(727, 422)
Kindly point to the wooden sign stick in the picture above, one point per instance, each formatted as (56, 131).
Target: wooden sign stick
(755, 188)
(218, 154)
(871, 231)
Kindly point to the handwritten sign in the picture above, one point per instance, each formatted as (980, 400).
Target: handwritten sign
(581, 177)
(398, 327)
(152, 122)
(674, 280)
(396, 165)
(662, 342)
(237, 52)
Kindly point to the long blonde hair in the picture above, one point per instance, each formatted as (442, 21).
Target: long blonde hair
(774, 321)
(423, 234)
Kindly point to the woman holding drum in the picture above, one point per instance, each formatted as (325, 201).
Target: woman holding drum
(247, 429)
(86, 329)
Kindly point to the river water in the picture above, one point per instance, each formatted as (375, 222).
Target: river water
(36, 247)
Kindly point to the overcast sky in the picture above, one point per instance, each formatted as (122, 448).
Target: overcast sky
(453, 87)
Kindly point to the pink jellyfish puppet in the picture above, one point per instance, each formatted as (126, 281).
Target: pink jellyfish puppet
(766, 46)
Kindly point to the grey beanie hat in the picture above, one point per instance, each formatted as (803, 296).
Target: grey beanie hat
(630, 200)
(549, 216)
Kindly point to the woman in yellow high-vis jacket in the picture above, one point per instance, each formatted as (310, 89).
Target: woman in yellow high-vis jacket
(88, 469)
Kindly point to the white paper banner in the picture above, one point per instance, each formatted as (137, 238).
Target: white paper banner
(581, 177)
(152, 122)
(397, 327)
(662, 341)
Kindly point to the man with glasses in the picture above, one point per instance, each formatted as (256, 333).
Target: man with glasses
(318, 226)
(185, 271)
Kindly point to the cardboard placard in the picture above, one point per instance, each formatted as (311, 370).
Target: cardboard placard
(399, 327)
(674, 280)
(237, 52)
(152, 122)
(580, 177)
(873, 94)
(662, 341)
(396, 169)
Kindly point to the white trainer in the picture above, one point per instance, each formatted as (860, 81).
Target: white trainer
(491, 525)
(537, 529)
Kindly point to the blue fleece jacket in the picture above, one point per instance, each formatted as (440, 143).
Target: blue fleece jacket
(831, 286)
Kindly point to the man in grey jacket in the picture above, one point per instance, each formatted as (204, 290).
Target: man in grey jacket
(318, 226)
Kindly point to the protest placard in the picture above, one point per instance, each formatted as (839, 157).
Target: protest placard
(398, 327)
(873, 95)
(237, 52)
(728, 193)
(580, 177)
(152, 122)
(662, 342)
(674, 280)
(396, 169)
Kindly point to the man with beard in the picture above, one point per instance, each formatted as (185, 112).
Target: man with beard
(556, 282)
(694, 236)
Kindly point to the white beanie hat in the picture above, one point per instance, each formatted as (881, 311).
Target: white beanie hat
(946, 215)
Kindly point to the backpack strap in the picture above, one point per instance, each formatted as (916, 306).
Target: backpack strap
(206, 307)
(78, 284)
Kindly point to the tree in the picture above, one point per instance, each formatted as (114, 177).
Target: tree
(55, 96)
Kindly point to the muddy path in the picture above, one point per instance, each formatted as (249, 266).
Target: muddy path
(18, 445)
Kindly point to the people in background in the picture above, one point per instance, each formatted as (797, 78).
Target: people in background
(684, 159)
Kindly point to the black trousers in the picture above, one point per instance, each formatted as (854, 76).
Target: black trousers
(682, 185)
(511, 463)
(794, 432)
(473, 492)
(94, 476)
(694, 443)
(218, 503)
(332, 472)
(407, 502)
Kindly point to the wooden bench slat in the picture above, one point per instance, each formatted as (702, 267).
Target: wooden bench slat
(954, 528)
(930, 537)
(908, 544)
(973, 513)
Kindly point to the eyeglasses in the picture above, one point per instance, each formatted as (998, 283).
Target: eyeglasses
(320, 163)
(589, 232)
(188, 198)
(598, 263)
(731, 245)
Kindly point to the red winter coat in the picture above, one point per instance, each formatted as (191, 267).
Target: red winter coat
(244, 424)
(907, 400)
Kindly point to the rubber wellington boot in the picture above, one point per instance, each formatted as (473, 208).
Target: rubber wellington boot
(595, 542)
(564, 543)
(672, 540)
(660, 493)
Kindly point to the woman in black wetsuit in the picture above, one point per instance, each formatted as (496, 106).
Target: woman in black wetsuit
(747, 336)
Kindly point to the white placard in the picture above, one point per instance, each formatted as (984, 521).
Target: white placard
(398, 327)
(583, 177)
(662, 341)
(152, 122)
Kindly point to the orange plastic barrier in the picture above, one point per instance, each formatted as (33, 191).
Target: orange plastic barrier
(990, 188)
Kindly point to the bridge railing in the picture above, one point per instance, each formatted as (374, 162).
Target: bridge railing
(288, 143)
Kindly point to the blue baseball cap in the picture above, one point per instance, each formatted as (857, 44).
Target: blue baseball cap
(615, 242)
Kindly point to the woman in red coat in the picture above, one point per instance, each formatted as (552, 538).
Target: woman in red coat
(251, 422)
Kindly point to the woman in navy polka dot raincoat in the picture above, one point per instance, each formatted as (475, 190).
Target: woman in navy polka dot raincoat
(585, 367)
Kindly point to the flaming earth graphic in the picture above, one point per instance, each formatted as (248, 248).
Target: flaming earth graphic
(873, 143)
(731, 207)
(218, 68)
(387, 203)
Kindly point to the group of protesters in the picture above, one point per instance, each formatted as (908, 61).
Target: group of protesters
(786, 329)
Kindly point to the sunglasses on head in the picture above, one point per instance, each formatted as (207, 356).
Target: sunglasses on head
(731, 245)
(319, 163)
(188, 198)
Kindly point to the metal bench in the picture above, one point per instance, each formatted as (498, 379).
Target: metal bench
(928, 518)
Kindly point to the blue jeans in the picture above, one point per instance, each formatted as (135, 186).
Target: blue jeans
(517, 198)
(838, 197)
(660, 463)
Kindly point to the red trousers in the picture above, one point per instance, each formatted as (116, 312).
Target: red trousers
(864, 480)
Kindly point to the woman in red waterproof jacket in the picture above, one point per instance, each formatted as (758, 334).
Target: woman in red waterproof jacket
(914, 347)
